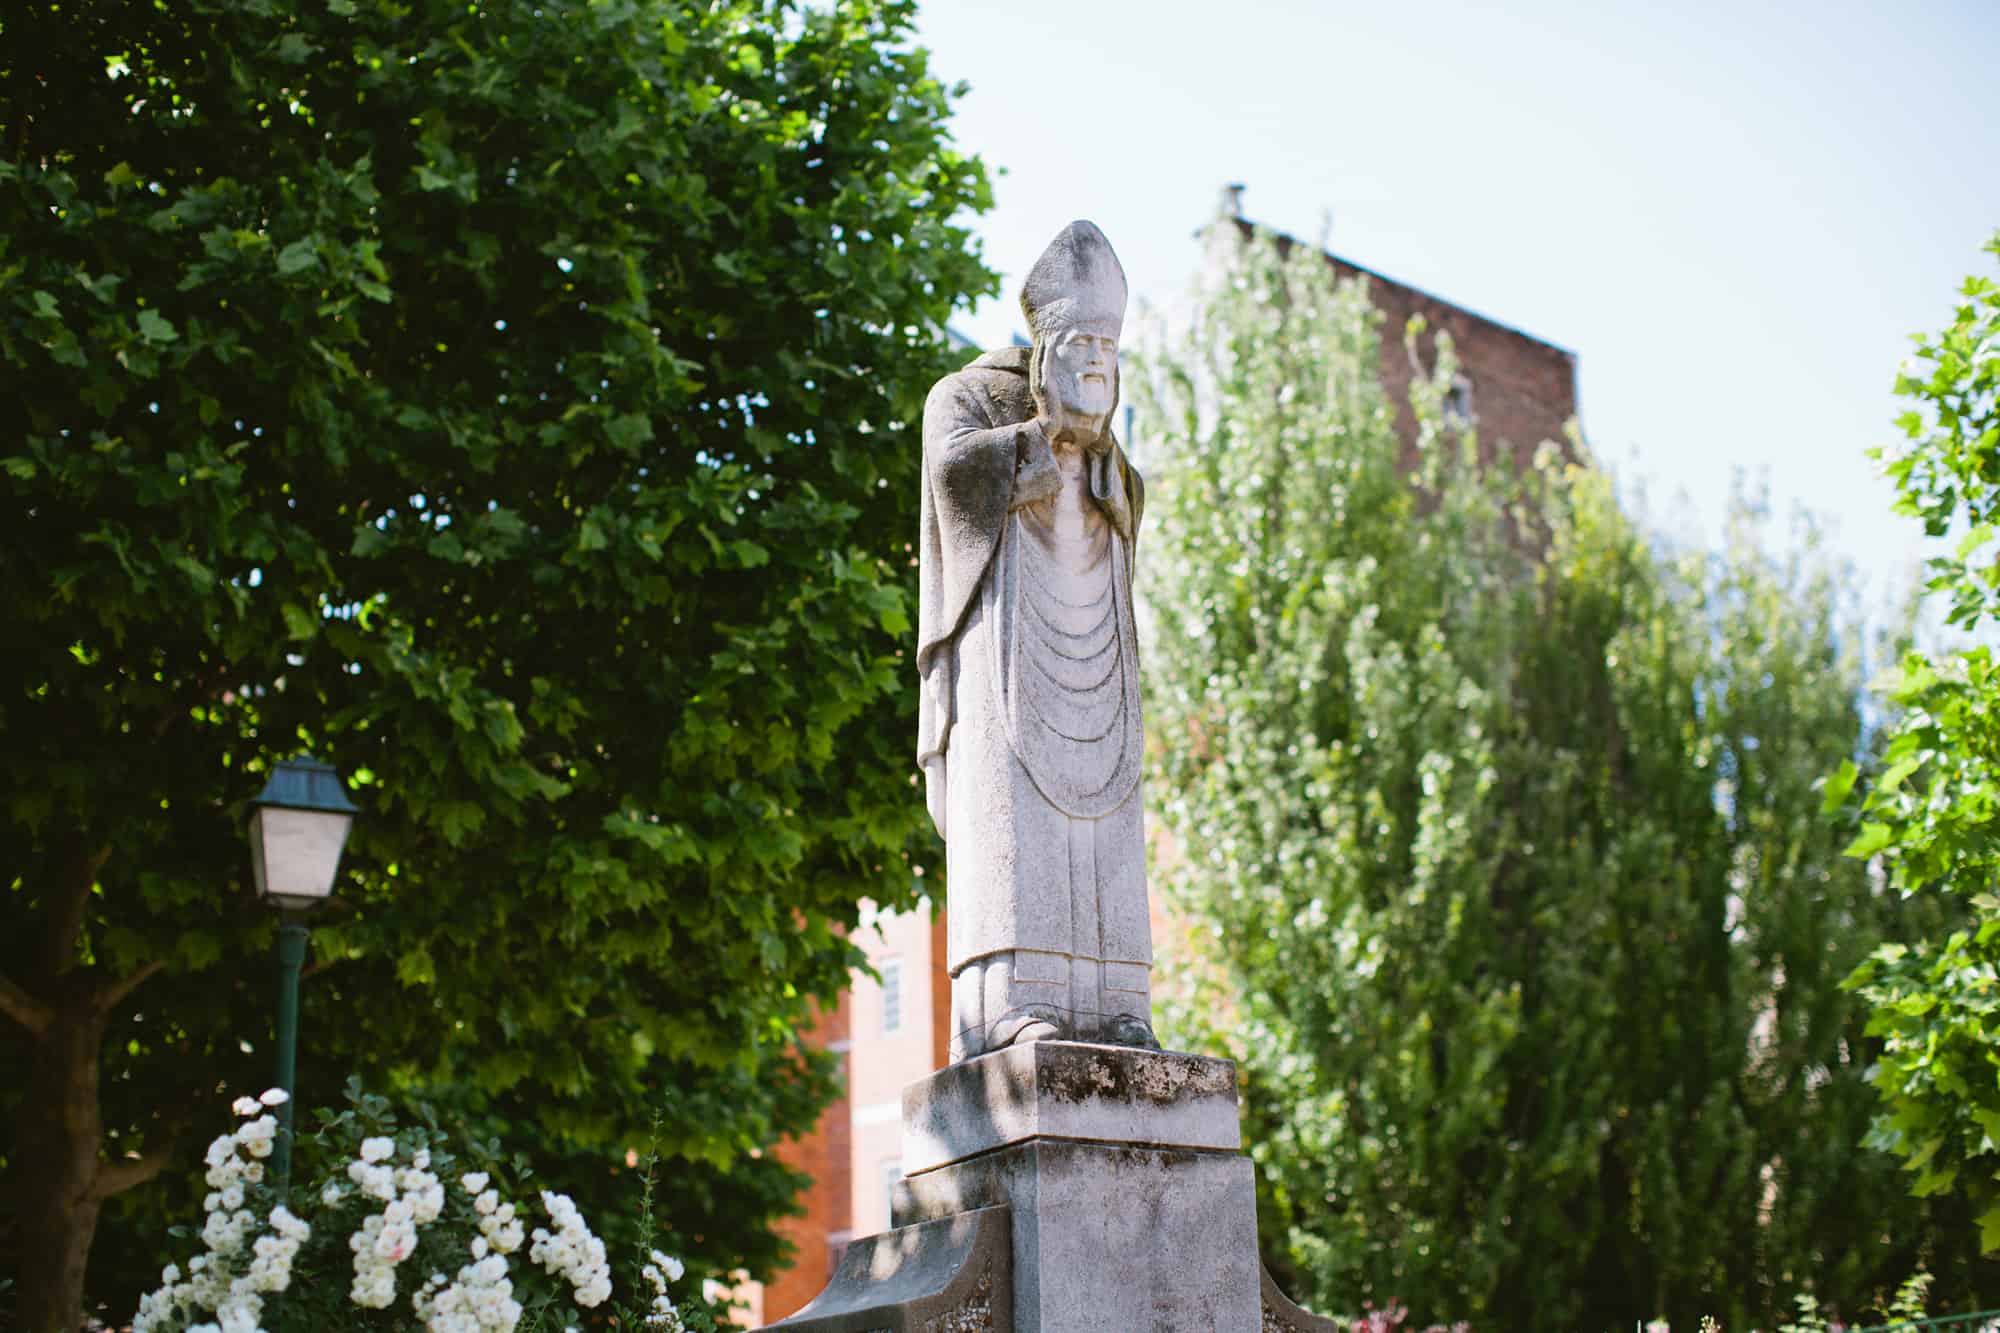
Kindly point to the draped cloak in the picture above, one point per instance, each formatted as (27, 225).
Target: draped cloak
(1032, 700)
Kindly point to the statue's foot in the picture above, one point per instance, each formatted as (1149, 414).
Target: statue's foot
(1036, 1030)
(1023, 1029)
(1129, 1030)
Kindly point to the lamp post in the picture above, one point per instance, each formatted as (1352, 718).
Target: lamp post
(298, 826)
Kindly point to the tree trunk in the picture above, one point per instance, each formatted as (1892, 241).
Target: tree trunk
(54, 1192)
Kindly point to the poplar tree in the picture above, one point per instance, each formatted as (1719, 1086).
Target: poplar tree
(1496, 822)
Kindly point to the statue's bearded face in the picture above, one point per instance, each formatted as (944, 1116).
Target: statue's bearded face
(1081, 378)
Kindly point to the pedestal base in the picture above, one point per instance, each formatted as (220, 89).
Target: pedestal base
(1100, 1186)
(1112, 1237)
(954, 1275)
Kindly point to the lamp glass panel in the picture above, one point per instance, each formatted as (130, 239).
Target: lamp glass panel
(257, 852)
(297, 852)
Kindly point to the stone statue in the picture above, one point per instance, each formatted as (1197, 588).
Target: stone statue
(1057, 1178)
(1029, 739)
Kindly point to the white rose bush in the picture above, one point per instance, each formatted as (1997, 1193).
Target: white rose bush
(400, 1237)
(234, 1275)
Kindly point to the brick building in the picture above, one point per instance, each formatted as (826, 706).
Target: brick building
(893, 1028)
(1518, 390)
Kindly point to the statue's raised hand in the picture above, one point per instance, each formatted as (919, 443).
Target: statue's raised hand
(1036, 476)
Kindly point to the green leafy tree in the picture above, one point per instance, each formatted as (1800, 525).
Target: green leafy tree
(507, 402)
(1498, 828)
(1931, 811)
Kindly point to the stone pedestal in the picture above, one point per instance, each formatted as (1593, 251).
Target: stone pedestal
(954, 1275)
(1099, 1186)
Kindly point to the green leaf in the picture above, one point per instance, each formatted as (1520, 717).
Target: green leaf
(1989, 1125)
(1893, 776)
(1989, 1230)
(299, 256)
(1873, 838)
(414, 967)
(1937, 1180)
(629, 431)
(300, 624)
(154, 328)
(1838, 786)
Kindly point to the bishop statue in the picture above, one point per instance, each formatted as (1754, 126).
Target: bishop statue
(1029, 738)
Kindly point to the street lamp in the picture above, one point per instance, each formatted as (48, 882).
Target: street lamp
(298, 826)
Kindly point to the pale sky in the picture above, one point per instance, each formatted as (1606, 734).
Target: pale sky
(1733, 213)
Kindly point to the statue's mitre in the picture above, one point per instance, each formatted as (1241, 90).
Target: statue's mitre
(1078, 280)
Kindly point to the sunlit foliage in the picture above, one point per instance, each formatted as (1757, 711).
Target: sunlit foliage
(1931, 810)
(1498, 824)
(509, 402)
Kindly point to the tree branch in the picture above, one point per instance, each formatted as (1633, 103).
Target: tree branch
(165, 1132)
(109, 998)
(66, 910)
(317, 966)
(121, 1175)
(24, 1008)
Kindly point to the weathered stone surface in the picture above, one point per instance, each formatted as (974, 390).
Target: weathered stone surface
(1069, 1090)
(1281, 1316)
(951, 1275)
(1029, 733)
(1136, 1240)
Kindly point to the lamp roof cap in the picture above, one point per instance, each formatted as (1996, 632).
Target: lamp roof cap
(304, 783)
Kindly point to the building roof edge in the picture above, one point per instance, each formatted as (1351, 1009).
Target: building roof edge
(1287, 239)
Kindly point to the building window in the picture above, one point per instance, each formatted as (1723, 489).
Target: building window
(1458, 402)
(892, 996)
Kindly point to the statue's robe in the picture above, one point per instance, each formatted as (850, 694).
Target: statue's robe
(1028, 656)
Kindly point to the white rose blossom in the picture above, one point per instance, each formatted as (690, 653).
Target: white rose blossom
(481, 1298)
(571, 1252)
(662, 1315)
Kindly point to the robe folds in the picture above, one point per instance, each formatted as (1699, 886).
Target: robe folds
(1030, 689)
